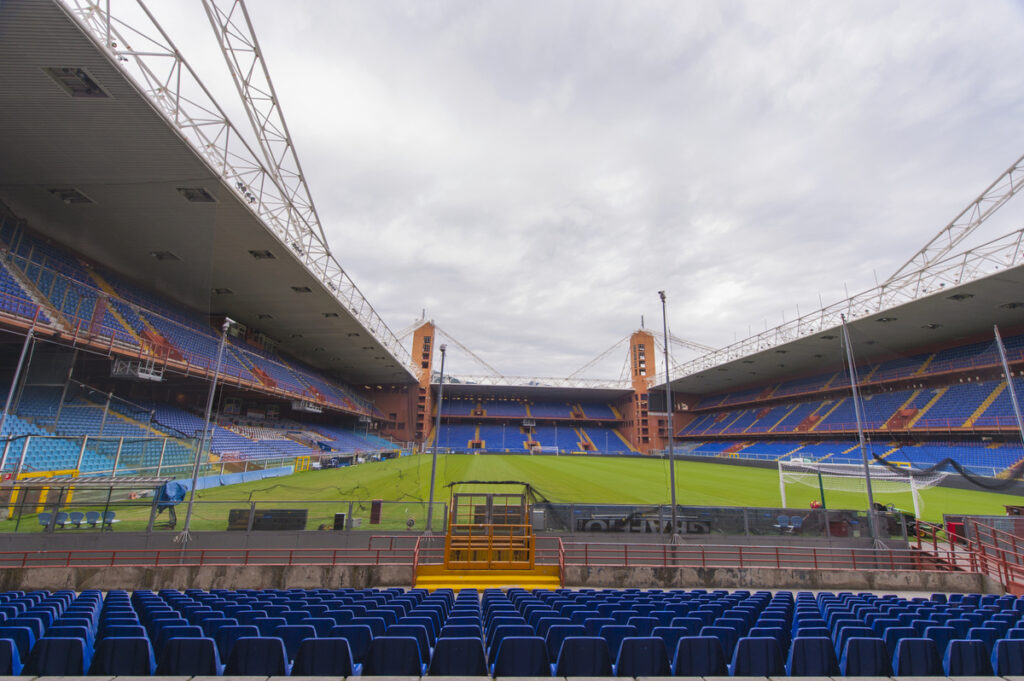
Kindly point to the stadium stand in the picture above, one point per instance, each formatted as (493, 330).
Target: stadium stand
(334, 632)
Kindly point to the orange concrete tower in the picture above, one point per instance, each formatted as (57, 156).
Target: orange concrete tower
(640, 428)
(423, 356)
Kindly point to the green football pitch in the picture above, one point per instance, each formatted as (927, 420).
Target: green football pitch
(582, 479)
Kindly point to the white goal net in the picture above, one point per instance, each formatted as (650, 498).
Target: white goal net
(845, 477)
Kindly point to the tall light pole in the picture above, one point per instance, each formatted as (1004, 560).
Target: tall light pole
(184, 536)
(437, 438)
(668, 423)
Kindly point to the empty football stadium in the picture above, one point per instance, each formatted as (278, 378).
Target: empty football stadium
(219, 460)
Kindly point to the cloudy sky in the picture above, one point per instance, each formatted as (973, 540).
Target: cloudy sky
(532, 173)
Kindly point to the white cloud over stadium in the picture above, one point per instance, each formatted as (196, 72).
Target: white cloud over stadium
(533, 173)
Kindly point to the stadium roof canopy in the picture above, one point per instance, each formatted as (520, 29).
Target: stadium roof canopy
(948, 315)
(533, 392)
(155, 210)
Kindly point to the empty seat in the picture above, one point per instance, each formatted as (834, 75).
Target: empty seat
(865, 656)
(188, 656)
(812, 656)
(1008, 657)
(558, 633)
(699, 656)
(10, 661)
(457, 656)
(57, 657)
(916, 657)
(393, 656)
(641, 656)
(116, 656)
(966, 657)
(324, 657)
(583, 656)
(359, 637)
(521, 656)
(257, 656)
(757, 656)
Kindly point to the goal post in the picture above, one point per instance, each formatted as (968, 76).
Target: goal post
(841, 477)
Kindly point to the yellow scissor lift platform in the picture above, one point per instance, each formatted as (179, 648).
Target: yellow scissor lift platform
(489, 543)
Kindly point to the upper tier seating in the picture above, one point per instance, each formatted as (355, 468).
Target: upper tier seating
(97, 301)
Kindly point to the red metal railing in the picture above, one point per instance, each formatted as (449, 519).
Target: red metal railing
(998, 554)
(721, 555)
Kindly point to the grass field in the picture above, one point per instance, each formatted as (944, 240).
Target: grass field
(605, 480)
(597, 480)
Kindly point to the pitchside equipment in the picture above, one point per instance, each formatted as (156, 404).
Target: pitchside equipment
(842, 477)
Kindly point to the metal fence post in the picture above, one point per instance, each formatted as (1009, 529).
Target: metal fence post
(160, 461)
(24, 453)
(81, 453)
(348, 519)
(252, 516)
(117, 457)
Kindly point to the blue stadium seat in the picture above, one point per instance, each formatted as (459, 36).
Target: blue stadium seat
(10, 660)
(292, 635)
(257, 656)
(115, 656)
(1008, 657)
(521, 656)
(966, 657)
(559, 632)
(865, 657)
(916, 657)
(757, 656)
(189, 657)
(699, 656)
(812, 656)
(583, 656)
(458, 656)
(393, 656)
(641, 656)
(58, 657)
(324, 657)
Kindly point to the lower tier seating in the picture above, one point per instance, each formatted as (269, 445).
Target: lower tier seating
(539, 633)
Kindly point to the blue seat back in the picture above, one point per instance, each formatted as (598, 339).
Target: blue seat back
(188, 656)
(462, 631)
(416, 631)
(916, 657)
(1008, 657)
(458, 656)
(521, 656)
(757, 656)
(10, 660)
(812, 656)
(115, 656)
(393, 656)
(966, 657)
(699, 656)
(292, 635)
(257, 656)
(727, 635)
(642, 656)
(23, 637)
(558, 633)
(323, 657)
(58, 657)
(865, 656)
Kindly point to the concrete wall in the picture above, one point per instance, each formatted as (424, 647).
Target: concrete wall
(221, 577)
(361, 576)
(771, 578)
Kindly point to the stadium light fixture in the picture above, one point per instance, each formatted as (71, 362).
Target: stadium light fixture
(437, 438)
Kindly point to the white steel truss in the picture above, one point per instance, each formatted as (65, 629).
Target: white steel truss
(996, 255)
(147, 56)
(969, 219)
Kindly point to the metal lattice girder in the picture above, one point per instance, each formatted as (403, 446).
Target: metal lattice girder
(148, 58)
(996, 255)
(241, 49)
(969, 219)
